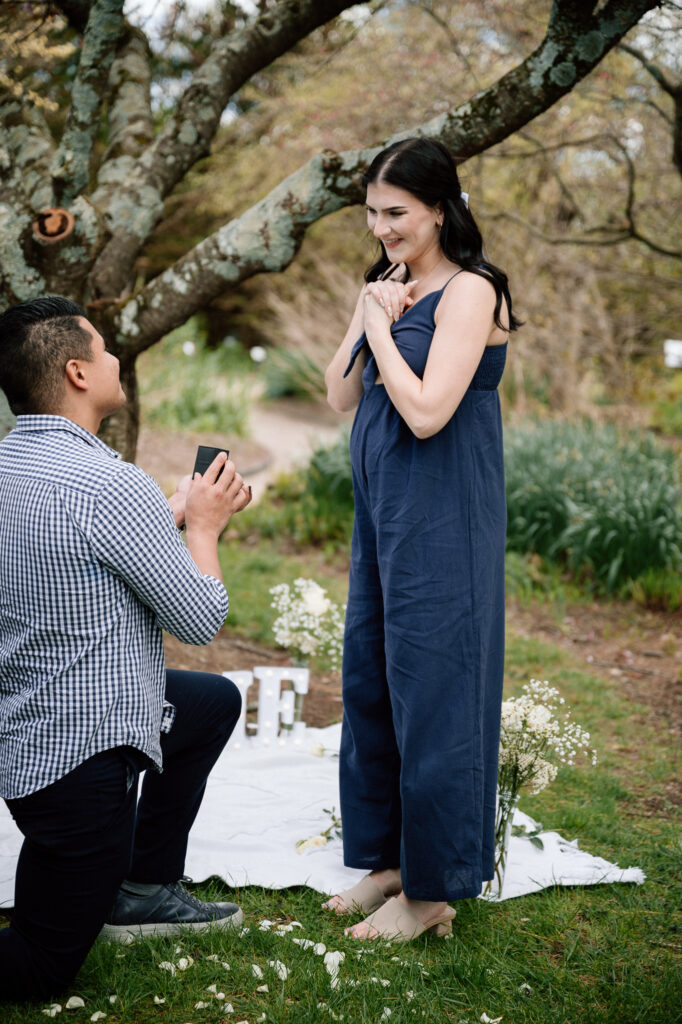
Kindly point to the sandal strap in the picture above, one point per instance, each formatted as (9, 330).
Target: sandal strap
(365, 897)
(396, 921)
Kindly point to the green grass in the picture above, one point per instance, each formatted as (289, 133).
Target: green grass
(600, 954)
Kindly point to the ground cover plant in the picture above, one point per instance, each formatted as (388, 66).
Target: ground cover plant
(605, 954)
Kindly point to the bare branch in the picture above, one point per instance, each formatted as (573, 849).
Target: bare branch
(71, 167)
(451, 37)
(674, 90)
(654, 70)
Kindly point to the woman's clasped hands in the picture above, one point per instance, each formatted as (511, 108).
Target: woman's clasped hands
(389, 296)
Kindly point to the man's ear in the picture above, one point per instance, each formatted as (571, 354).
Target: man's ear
(75, 375)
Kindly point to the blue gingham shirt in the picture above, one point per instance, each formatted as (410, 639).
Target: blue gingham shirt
(92, 568)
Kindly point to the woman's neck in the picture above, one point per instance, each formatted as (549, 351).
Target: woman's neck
(428, 269)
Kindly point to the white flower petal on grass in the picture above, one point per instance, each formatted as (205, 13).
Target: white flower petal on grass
(184, 962)
(319, 949)
(265, 925)
(262, 988)
(74, 1003)
(332, 961)
(386, 1013)
(159, 1000)
(304, 943)
(256, 971)
(201, 1006)
(166, 965)
(228, 1008)
(98, 1015)
(52, 1010)
(525, 989)
(112, 999)
(243, 931)
(280, 969)
(214, 957)
(485, 1019)
(409, 996)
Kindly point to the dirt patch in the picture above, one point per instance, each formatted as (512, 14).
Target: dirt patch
(642, 650)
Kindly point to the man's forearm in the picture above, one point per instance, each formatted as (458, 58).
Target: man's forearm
(203, 547)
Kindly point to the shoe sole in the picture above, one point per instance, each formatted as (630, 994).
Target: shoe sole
(121, 932)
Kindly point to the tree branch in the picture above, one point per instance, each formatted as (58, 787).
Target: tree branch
(609, 234)
(266, 237)
(130, 121)
(18, 280)
(188, 135)
(654, 70)
(71, 166)
(673, 90)
(28, 139)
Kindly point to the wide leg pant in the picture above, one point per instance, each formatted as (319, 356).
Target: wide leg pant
(424, 649)
(85, 833)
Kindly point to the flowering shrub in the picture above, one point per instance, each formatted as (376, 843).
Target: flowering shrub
(308, 622)
(536, 737)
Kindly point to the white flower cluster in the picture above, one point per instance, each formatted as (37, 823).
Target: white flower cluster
(308, 622)
(536, 737)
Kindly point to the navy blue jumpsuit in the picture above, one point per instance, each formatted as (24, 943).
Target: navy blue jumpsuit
(424, 644)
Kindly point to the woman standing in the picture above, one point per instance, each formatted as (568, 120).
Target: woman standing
(424, 645)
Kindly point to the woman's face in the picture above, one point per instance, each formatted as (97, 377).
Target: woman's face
(406, 227)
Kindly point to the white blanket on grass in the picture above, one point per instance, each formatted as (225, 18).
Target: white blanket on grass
(260, 802)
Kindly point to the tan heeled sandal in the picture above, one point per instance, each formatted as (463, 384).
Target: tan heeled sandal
(396, 922)
(362, 898)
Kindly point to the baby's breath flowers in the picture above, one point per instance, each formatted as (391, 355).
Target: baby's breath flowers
(308, 622)
(537, 736)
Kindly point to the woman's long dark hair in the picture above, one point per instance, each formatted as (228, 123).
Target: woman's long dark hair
(424, 168)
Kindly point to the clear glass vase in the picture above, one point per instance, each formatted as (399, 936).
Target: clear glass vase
(504, 817)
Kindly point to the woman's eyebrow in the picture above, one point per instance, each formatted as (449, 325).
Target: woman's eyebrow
(387, 209)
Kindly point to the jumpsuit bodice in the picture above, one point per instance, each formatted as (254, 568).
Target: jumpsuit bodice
(412, 335)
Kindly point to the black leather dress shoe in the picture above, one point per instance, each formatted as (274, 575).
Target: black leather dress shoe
(170, 911)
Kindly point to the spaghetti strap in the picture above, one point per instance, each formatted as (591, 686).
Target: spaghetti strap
(452, 278)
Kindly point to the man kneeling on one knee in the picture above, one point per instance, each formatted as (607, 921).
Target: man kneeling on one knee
(92, 569)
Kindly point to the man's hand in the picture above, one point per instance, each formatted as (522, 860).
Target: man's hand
(178, 500)
(210, 503)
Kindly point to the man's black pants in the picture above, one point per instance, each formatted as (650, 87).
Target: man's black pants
(84, 834)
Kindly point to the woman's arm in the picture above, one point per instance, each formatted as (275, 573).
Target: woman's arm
(464, 325)
(344, 393)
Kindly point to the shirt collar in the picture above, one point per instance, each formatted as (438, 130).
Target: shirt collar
(41, 423)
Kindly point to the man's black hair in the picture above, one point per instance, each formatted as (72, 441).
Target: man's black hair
(37, 339)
